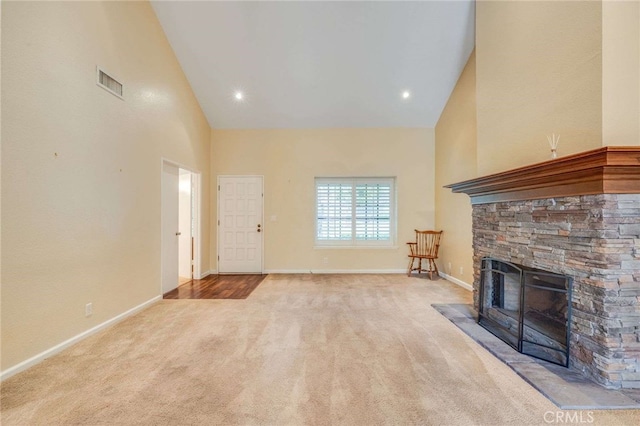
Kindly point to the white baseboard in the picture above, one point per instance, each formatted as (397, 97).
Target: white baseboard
(335, 271)
(456, 281)
(75, 339)
(205, 274)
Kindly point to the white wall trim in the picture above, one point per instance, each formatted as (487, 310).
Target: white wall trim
(205, 274)
(335, 271)
(196, 216)
(75, 339)
(456, 281)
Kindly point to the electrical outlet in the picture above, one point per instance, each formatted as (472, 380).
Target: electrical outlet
(461, 270)
(449, 268)
(325, 260)
(88, 309)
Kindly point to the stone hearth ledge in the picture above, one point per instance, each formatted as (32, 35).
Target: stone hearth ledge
(566, 388)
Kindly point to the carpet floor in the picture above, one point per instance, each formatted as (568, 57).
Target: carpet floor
(302, 349)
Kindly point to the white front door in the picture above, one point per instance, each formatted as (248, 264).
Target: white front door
(240, 224)
(170, 228)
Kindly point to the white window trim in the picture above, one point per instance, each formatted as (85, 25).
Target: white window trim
(353, 243)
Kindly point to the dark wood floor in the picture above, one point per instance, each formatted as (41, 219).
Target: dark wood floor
(217, 287)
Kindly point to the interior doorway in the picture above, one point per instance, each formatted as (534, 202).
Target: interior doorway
(180, 224)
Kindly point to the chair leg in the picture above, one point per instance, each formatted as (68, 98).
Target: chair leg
(433, 268)
(410, 266)
(419, 266)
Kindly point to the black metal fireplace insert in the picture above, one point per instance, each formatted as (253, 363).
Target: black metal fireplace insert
(527, 308)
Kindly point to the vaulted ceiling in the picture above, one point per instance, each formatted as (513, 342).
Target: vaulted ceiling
(320, 64)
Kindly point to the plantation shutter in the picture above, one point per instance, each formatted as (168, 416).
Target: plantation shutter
(373, 211)
(355, 211)
(334, 206)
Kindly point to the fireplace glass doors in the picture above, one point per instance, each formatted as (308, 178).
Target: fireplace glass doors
(500, 297)
(527, 308)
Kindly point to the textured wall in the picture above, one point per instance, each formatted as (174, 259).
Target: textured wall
(456, 161)
(81, 168)
(290, 159)
(620, 72)
(539, 71)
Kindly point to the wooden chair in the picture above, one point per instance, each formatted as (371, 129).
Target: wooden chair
(425, 247)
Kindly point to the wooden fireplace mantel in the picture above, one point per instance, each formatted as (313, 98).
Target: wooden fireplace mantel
(607, 170)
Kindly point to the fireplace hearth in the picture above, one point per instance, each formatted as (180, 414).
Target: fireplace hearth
(527, 308)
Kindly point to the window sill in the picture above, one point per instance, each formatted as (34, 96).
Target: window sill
(355, 247)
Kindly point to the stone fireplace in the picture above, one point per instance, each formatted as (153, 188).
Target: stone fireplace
(577, 216)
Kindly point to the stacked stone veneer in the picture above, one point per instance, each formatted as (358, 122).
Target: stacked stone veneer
(595, 239)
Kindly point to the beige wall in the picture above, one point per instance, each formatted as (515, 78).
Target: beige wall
(80, 175)
(620, 72)
(290, 159)
(456, 161)
(539, 71)
(81, 168)
(0, 187)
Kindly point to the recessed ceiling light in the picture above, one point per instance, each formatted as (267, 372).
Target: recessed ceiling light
(239, 96)
(406, 94)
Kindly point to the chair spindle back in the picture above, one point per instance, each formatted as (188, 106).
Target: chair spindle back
(427, 243)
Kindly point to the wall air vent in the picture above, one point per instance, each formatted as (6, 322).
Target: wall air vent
(109, 83)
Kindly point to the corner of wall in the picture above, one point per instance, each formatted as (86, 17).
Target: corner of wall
(456, 158)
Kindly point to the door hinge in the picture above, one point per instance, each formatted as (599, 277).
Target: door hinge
(218, 257)
(218, 222)
(218, 187)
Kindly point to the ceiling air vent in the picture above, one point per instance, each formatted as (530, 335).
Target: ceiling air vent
(109, 83)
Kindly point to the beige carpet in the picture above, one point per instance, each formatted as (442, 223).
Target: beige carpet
(302, 349)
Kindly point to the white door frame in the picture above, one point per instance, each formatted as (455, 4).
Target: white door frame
(196, 193)
(217, 224)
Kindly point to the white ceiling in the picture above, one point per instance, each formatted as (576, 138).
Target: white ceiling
(320, 64)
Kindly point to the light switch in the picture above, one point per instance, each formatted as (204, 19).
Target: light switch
(274, 218)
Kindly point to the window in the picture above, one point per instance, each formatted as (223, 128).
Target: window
(355, 211)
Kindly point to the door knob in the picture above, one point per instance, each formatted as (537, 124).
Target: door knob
(178, 233)
(259, 230)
